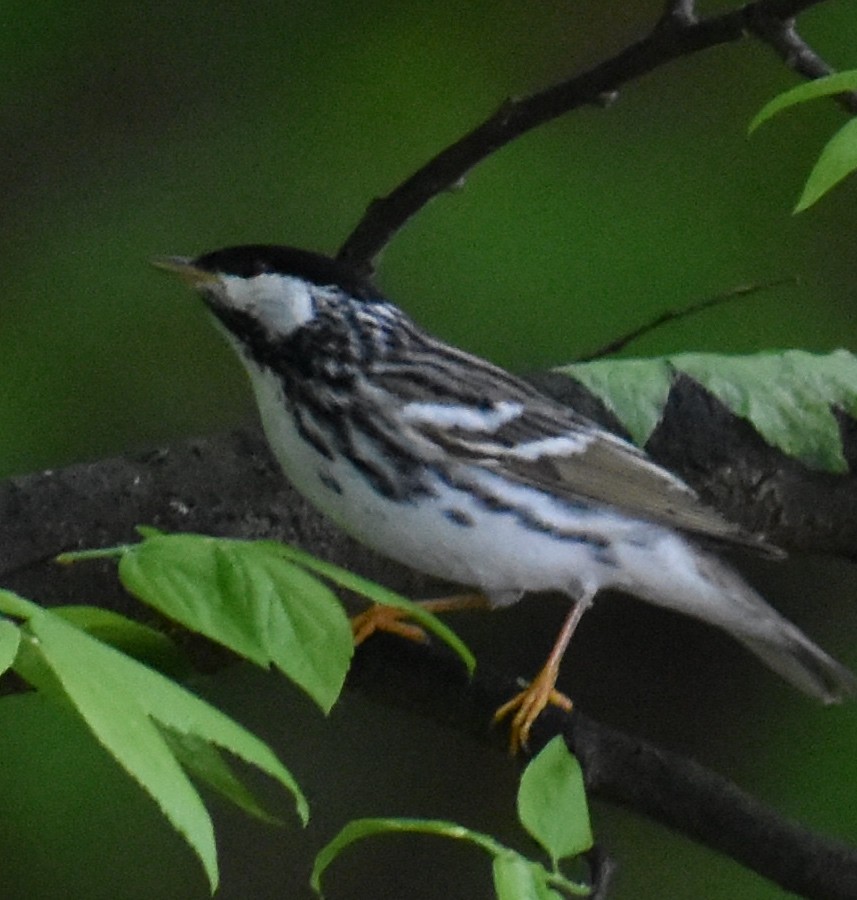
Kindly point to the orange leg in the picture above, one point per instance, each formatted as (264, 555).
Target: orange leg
(529, 703)
(379, 617)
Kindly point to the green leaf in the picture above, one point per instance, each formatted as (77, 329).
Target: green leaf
(787, 396)
(140, 641)
(112, 710)
(379, 594)
(634, 390)
(207, 765)
(121, 700)
(511, 871)
(10, 640)
(819, 87)
(552, 802)
(518, 878)
(838, 159)
(17, 607)
(247, 596)
(360, 829)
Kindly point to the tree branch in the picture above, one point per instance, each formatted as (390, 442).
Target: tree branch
(677, 34)
(781, 35)
(621, 768)
(230, 485)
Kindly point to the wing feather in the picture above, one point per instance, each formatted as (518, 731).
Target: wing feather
(548, 446)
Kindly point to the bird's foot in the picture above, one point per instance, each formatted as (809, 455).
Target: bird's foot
(391, 619)
(528, 705)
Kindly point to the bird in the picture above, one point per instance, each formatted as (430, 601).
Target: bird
(453, 466)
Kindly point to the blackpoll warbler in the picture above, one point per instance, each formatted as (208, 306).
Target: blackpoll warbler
(452, 466)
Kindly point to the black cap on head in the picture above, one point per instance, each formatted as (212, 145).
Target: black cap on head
(260, 259)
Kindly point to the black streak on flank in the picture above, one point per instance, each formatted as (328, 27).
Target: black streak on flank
(311, 437)
(330, 482)
(600, 546)
(459, 517)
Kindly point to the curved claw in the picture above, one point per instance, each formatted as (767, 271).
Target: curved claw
(528, 706)
(379, 617)
(384, 618)
(530, 702)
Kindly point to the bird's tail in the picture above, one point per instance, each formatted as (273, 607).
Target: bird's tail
(775, 640)
(793, 655)
(713, 591)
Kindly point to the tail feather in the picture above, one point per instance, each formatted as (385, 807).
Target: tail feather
(710, 589)
(803, 664)
(775, 640)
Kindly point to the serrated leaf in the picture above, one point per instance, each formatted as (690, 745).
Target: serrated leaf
(121, 700)
(115, 717)
(552, 802)
(787, 396)
(207, 765)
(379, 594)
(10, 640)
(634, 390)
(819, 87)
(518, 878)
(250, 598)
(838, 159)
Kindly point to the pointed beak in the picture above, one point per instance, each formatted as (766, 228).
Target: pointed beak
(184, 267)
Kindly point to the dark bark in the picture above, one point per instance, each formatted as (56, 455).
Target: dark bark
(229, 485)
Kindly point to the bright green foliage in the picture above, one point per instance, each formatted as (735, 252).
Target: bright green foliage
(360, 829)
(837, 160)
(10, 639)
(146, 644)
(552, 803)
(839, 156)
(551, 806)
(206, 763)
(787, 396)
(518, 878)
(379, 594)
(634, 390)
(129, 708)
(809, 90)
(248, 597)
(261, 599)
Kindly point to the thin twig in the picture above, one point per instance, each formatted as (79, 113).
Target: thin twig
(675, 315)
(674, 36)
(783, 38)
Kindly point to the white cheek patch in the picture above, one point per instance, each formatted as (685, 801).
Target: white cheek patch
(447, 415)
(281, 303)
(562, 445)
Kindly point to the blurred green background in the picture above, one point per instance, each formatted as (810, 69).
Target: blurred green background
(134, 130)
